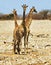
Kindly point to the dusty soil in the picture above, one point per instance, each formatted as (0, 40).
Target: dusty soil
(39, 51)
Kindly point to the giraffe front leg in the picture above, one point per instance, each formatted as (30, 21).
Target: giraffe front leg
(25, 42)
(27, 38)
(15, 47)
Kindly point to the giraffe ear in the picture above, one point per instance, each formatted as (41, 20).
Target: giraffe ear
(33, 7)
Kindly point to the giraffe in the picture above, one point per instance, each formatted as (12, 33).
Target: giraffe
(18, 32)
(28, 21)
(15, 40)
(23, 22)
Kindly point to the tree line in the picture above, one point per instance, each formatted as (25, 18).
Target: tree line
(45, 14)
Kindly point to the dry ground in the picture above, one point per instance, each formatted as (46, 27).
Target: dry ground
(39, 52)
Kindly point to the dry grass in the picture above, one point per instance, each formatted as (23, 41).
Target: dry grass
(39, 52)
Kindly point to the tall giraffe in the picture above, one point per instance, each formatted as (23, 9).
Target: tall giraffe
(23, 22)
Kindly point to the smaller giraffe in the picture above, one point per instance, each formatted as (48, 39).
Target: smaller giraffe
(16, 41)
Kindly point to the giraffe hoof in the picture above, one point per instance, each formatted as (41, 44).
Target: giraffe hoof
(15, 53)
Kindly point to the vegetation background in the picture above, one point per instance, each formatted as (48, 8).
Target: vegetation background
(44, 14)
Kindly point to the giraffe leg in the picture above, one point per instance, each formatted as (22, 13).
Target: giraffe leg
(27, 38)
(26, 42)
(18, 47)
(15, 47)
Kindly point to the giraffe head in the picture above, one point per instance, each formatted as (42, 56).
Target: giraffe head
(24, 6)
(33, 9)
(14, 12)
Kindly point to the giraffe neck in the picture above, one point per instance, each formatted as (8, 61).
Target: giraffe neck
(23, 22)
(28, 20)
(15, 18)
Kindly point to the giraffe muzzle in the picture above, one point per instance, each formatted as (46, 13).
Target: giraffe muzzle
(35, 11)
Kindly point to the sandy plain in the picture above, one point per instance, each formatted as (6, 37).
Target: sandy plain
(39, 52)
